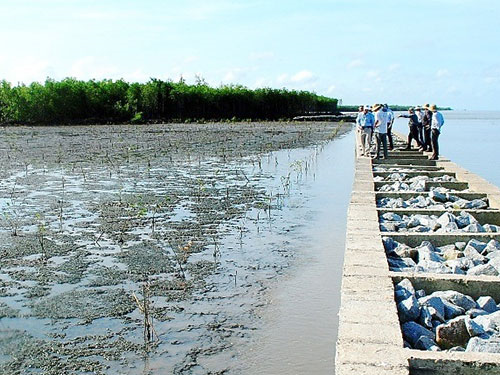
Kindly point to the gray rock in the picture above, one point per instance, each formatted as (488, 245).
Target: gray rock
(487, 303)
(427, 252)
(479, 204)
(478, 344)
(425, 318)
(453, 333)
(388, 227)
(445, 248)
(391, 216)
(452, 311)
(408, 309)
(437, 196)
(478, 245)
(491, 247)
(457, 349)
(473, 328)
(476, 312)
(421, 229)
(483, 270)
(413, 222)
(474, 228)
(495, 262)
(490, 228)
(404, 251)
(493, 255)
(413, 331)
(490, 322)
(401, 263)
(446, 219)
(433, 267)
(389, 243)
(420, 293)
(465, 219)
(456, 298)
(426, 343)
(448, 228)
(436, 304)
(471, 253)
(405, 289)
(460, 245)
(452, 253)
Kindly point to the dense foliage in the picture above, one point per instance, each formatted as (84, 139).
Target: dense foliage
(73, 101)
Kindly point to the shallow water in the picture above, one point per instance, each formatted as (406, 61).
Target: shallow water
(300, 322)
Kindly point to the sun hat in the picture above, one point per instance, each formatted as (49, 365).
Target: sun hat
(411, 109)
(433, 107)
(426, 105)
(376, 107)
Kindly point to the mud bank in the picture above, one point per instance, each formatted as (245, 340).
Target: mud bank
(197, 221)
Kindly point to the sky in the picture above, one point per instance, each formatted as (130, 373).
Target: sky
(394, 51)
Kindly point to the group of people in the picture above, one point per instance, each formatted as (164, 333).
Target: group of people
(376, 122)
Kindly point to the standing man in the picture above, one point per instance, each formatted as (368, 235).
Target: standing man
(367, 121)
(426, 123)
(437, 122)
(381, 118)
(420, 116)
(358, 127)
(390, 121)
(413, 125)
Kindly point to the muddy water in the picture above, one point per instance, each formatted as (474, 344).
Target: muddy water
(225, 225)
(300, 323)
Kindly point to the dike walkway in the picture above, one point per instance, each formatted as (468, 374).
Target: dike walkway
(370, 337)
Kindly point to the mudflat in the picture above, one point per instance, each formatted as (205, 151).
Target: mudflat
(100, 223)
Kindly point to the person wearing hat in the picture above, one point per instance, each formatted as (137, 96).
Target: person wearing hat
(390, 121)
(413, 125)
(367, 122)
(436, 124)
(426, 124)
(381, 119)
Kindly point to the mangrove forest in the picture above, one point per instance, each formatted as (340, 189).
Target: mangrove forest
(72, 101)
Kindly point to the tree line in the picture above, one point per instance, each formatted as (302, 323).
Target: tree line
(72, 101)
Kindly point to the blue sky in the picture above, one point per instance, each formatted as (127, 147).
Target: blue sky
(396, 51)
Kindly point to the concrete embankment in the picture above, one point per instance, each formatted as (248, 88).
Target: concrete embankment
(371, 339)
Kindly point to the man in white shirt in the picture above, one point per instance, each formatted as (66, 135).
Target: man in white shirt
(436, 124)
(381, 119)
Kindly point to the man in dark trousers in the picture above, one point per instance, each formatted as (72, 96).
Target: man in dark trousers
(426, 123)
(436, 124)
(413, 125)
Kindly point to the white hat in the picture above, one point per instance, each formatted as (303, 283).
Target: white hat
(367, 108)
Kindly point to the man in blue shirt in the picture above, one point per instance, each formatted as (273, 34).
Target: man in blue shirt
(367, 122)
(437, 122)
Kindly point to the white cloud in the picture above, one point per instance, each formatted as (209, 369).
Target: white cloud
(262, 55)
(355, 63)
(89, 67)
(372, 74)
(331, 89)
(282, 78)
(394, 67)
(26, 70)
(235, 75)
(442, 73)
(261, 82)
(303, 76)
